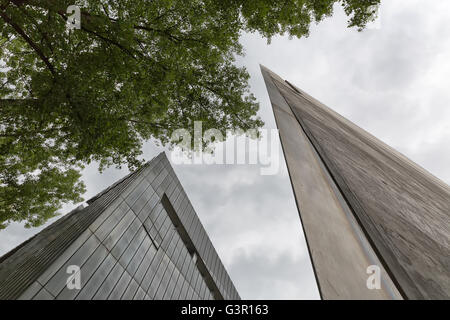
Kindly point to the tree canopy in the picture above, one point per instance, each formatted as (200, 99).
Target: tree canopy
(136, 70)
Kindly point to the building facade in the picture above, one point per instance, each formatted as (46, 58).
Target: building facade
(377, 225)
(138, 239)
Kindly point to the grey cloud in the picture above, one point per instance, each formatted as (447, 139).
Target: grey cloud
(282, 278)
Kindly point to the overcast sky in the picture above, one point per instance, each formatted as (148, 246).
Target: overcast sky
(393, 81)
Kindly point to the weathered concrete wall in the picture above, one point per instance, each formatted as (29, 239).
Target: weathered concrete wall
(403, 211)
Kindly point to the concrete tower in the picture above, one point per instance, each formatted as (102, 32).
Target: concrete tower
(365, 208)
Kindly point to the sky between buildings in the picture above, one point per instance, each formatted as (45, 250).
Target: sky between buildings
(392, 80)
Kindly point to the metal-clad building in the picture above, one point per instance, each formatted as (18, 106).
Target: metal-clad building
(363, 205)
(138, 239)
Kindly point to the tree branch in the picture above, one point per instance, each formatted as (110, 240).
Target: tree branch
(172, 37)
(29, 41)
(23, 133)
(44, 34)
(113, 42)
(17, 102)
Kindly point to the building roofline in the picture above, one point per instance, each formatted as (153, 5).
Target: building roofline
(22, 265)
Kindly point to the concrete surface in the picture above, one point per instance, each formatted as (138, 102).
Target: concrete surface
(402, 211)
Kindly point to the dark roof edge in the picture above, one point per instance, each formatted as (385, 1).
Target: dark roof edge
(12, 251)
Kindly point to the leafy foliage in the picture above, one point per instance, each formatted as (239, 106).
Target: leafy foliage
(136, 70)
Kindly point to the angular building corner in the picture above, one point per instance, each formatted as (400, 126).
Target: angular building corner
(367, 211)
(138, 239)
